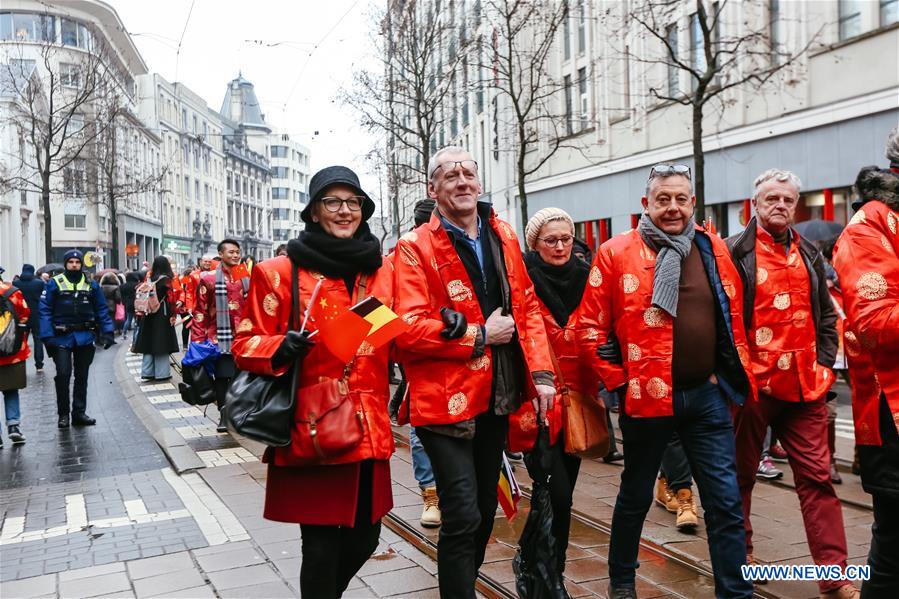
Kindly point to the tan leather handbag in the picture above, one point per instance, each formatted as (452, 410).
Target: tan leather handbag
(586, 427)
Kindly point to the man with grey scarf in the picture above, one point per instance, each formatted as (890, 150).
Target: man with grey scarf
(219, 305)
(662, 325)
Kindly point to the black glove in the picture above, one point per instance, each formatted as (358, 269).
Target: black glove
(107, 340)
(455, 322)
(610, 351)
(294, 347)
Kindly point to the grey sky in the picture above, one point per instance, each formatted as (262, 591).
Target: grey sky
(308, 50)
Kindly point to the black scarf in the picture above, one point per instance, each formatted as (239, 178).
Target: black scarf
(559, 287)
(334, 257)
(74, 276)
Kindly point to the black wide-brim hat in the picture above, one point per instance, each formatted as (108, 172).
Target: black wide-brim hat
(335, 175)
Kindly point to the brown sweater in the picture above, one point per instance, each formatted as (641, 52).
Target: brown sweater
(694, 327)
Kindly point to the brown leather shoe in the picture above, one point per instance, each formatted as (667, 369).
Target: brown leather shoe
(664, 496)
(686, 511)
(847, 591)
(751, 561)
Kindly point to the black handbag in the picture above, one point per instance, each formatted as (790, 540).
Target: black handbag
(196, 387)
(262, 407)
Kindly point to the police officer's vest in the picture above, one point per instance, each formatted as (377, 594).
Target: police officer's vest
(74, 303)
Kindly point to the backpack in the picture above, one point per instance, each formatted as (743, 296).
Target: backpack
(12, 330)
(145, 298)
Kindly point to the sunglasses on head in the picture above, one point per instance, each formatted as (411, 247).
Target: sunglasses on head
(666, 170)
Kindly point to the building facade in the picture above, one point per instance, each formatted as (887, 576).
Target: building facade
(290, 185)
(72, 44)
(823, 116)
(192, 149)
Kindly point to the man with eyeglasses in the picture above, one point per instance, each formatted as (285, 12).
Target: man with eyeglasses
(662, 324)
(791, 326)
(476, 346)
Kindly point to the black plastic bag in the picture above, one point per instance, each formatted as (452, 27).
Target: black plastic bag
(196, 387)
(536, 563)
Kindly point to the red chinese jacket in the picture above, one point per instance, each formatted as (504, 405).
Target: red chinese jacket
(866, 258)
(18, 301)
(204, 327)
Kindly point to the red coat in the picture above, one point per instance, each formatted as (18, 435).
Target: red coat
(18, 301)
(446, 384)
(619, 297)
(204, 311)
(575, 375)
(866, 258)
(258, 336)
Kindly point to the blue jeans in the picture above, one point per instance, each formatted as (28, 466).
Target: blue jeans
(702, 420)
(11, 403)
(155, 366)
(421, 463)
(129, 321)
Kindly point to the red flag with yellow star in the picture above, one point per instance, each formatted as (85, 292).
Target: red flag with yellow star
(341, 332)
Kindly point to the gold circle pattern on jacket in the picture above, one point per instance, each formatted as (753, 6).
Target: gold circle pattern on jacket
(872, 286)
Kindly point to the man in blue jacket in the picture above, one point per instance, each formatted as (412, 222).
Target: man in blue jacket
(73, 316)
(32, 287)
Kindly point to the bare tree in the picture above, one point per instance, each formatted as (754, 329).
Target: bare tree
(122, 175)
(720, 59)
(405, 97)
(523, 45)
(53, 92)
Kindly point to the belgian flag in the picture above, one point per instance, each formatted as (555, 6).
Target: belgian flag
(385, 324)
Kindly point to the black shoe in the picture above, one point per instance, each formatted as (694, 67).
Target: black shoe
(63, 421)
(622, 592)
(613, 456)
(221, 427)
(15, 435)
(515, 455)
(83, 420)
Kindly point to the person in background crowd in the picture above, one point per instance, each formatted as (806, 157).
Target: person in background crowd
(127, 290)
(12, 367)
(559, 279)
(219, 305)
(674, 489)
(866, 259)
(32, 287)
(281, 250)
(157, 339)
(190, 301)
(672, 297)
(73, 315)
(791, 326)
(339, 506)
(421, 464)
(110, 285)
(767, 470)
(45, 277)
(476, 343)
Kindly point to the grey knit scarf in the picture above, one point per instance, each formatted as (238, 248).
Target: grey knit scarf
(670, 253)
(223, 331)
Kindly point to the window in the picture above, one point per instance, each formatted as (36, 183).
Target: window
(196, 153)
(581, 27)
(889, 12)
(76, 125)
(186, 187)
(280, 193)
(23, 27)
(566, 36)
(206, 193)
(75, 221)
(568, 100)
(184, 118)
(195, 124)
(73, 179)
(206, 161)
(582, 92)
(75, 34)
(850, 12)
(279, 151)
(69, 74)
(280, 172)
(671, 57)
(197, 190)
(775, 31)
(697, 44)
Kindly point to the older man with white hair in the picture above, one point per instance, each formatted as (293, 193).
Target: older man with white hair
(791, 326)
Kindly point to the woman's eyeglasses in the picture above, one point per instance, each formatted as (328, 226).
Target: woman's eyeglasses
(353, 204)
(551, 242)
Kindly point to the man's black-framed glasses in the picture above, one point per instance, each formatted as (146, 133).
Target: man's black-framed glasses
(666, 170)
(465, 165)
(333, 204)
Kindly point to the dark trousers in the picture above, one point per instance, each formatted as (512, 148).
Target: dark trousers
(333, 554)
(675, 466)
(76, 359)
(563, 477)
(225, 371)
(802, 430)
(37, 345)
(466, 472)
(185, 334)
(702, 420)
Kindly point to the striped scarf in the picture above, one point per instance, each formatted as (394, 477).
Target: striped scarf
(222, 313)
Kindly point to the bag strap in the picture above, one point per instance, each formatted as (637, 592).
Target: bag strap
(7, 295)
(294, 323)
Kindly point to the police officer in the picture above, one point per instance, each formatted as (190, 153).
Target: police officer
(73, 315)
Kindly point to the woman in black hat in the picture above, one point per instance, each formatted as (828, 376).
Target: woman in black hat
(338, 502)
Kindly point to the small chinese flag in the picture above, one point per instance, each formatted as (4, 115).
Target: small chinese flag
(239, 272)
(342, 333)
(385, 324)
